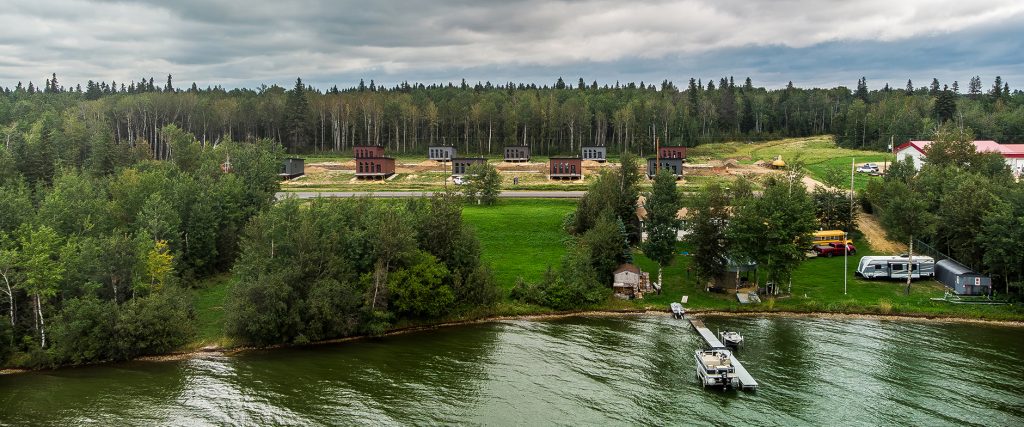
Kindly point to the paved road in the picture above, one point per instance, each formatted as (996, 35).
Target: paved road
(401, 194)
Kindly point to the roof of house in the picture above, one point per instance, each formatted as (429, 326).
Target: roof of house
(982, 146)
(627, 267)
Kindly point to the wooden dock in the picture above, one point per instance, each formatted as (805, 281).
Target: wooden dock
(747, 382)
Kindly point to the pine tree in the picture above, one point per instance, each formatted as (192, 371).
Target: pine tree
(297, 116)
(168, 87)
(910, 88)
(945, 105)
(862, 89)
(997, 88)
(934, 91)
(974, 87)
(956, 87)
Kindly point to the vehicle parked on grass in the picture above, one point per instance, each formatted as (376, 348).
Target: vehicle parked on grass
(869, 168)
(459, 180)
(825, 237)
(833, 249)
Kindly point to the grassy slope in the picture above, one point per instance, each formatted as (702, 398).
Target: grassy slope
(818, 153)
(209, 302)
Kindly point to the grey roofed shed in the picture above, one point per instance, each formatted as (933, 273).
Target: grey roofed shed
(962, 280)
(292, 167)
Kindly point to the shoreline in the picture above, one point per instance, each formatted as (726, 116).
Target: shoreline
(231, 351)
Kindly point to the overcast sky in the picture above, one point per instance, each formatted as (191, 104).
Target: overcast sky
(251, 42)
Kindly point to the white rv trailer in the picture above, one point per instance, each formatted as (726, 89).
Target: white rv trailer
(895, 267)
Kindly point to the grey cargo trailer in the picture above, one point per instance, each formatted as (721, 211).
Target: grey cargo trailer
(961, 280)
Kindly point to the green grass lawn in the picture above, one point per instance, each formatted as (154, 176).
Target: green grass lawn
(520, 237)
(209, 302)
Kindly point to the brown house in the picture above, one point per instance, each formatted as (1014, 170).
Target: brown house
(374, 167)
(565, 168)
(672, 152)
(461, 165)
(367, 151)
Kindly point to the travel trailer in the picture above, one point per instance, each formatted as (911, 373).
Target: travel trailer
(895, 267)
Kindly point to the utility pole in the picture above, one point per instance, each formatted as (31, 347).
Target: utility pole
(846, 233)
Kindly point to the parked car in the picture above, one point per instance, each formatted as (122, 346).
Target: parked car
(458, 180)
(870, 168)
(832, 249)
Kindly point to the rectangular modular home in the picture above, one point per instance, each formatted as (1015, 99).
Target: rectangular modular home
(961, 280)
(674, 165)
(292, 167)
(565, 168)
(517, 154)
(895, 267)
(375, 167)
(441, 154)
(367, 151)
(597, 154)
(461, 165)
(672, 152)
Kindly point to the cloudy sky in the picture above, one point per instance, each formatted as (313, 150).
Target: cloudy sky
(251, 42)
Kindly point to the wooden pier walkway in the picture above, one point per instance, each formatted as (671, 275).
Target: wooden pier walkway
(747, 381)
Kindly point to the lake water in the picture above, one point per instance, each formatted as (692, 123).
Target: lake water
(575, 371)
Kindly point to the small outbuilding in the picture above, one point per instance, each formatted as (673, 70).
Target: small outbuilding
(597, 154)
(517, 154)
(960, 279)
(673, 165)
(441, 154)
(375, 167)
(630, 282)
(672, 152)
(367, 151)
(565, 168)
(292, 167)
(462, 164)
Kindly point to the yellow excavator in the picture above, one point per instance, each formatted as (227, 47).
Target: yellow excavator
(778, 163)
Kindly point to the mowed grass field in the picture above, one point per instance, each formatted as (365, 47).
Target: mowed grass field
(520, 237)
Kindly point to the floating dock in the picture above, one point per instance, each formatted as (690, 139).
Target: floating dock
(747, 382)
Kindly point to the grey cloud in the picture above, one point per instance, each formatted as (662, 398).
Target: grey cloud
(240, 41)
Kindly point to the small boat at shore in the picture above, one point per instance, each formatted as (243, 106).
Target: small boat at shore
(715, 368)
(677, 310)
(731, 339)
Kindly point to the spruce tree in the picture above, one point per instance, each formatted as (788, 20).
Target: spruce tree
(910, 88)
(168, 87)
(297, 117)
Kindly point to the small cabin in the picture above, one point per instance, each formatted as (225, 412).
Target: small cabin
(629, 282)
(517, 154)
(597, 154)
(375, 167)
(292, 167)
(367, 151)
(673, 165)
(565, 168)
(672, 152)
(461, 165)
(961, 280)
(441, 154)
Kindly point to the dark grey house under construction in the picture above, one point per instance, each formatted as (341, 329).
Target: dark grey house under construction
(461, 165)
(517, 154)
(597, 154)
(441, 154)
(674, 165)
(292, 167)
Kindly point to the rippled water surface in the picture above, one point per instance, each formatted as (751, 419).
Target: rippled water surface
(576, 371)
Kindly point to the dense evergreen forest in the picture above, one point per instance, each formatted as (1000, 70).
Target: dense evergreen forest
(483, 117)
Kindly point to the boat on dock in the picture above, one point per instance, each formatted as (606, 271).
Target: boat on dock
(744, 380)
(731, 338)
(715, 368)
(677, 310)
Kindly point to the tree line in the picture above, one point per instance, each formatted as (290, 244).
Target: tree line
(99, 244)
(482, 117)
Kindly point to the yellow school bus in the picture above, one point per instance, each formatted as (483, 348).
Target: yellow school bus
(825, 237)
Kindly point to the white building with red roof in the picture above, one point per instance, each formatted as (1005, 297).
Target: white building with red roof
(1012, 153)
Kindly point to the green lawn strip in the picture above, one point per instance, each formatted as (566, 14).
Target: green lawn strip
(210, 298)
(520, 237)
